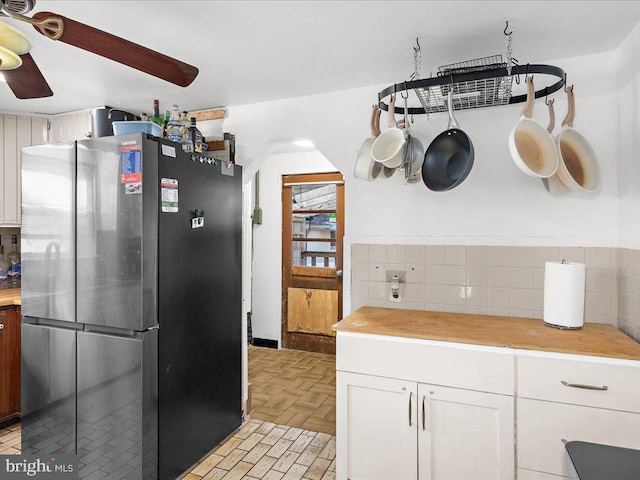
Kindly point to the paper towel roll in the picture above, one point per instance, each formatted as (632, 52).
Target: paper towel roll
(564, 294)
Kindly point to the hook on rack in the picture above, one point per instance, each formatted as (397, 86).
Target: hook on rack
(546, 97)
(505, 28)
(565, 84)
(417, 49)
(404, 93)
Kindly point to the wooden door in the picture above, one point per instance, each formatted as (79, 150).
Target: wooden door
(312, 235)
(9, 363)
(464, 434)
(376, 428)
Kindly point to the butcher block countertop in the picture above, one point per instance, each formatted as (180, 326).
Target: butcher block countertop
(10, 297)
(593, 339)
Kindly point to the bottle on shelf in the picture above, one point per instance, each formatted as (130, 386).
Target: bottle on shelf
(167, 117)
(196, 136)
(174, 126)
(156, 118)
(144, 117)
(4, 270)
(13, 261)
(186, 143)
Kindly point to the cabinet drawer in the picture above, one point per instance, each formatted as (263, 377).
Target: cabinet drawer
(470, 367)
(541, 378)
(543, 425)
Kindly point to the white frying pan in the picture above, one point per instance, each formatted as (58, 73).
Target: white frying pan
(532, 148)
(364, 166)
(578, 167)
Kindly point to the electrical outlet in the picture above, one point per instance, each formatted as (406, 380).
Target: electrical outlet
(402, 275)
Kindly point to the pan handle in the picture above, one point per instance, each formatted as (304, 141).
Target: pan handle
(568, 120)
(453, 123)
(527, 111)
(552, 117)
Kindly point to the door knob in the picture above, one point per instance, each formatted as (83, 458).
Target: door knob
(1, 326)
(338, 273)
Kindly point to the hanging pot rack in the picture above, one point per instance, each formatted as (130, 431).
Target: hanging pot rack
(477, 83)
(460, 81)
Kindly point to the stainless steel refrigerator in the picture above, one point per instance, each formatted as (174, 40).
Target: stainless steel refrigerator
(131, 304)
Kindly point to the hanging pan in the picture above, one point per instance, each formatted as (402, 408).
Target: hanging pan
(553, 184)
(578, 168)
(414, 154)
(531, 146)
(364, 167)
(389, 148)
(449, 157)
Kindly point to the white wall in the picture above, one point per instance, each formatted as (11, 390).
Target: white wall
(267, 238)
(496, 205)
(628, 73)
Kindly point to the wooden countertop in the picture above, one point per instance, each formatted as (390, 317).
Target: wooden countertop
(520, 333)
(10, 297)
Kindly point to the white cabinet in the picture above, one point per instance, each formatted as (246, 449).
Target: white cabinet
(16, 132)
(464, 435)
(376, 427)
(565, 397)
(396, 420)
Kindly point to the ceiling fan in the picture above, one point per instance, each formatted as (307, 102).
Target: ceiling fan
(25, 78)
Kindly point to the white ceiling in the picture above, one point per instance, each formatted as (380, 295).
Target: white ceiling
(254, 51)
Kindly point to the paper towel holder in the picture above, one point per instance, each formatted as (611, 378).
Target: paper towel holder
(562, 322)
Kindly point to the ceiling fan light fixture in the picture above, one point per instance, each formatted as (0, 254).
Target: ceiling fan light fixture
(8, 59)
(13, 39)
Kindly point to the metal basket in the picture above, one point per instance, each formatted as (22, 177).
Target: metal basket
(470, 94)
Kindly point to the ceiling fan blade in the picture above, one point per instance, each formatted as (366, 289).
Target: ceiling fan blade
(27, 81)
(122, 51)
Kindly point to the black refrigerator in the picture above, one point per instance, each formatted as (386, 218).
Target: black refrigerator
(131, 304)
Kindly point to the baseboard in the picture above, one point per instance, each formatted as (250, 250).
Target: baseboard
(265, 342)
(9, 420)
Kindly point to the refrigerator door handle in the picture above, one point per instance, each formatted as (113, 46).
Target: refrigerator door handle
(47, 322)
(114, 332)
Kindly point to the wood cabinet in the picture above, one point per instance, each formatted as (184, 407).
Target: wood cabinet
(405, 428)
(9, 363)
(16, 132)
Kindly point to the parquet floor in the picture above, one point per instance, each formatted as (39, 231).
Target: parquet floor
(295, 388)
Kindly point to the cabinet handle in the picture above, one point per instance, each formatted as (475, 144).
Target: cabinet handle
(423, 414)
(410, 398)
(580, 385)
(1, 326)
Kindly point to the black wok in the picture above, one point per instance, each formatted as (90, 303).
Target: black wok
(449, 158)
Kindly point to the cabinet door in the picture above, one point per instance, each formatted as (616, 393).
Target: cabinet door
(543, 425)
(464, 435)
(376, 428)
(9, 362)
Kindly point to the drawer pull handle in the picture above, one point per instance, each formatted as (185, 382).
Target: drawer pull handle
(588, 387)
(410, 398)
(423, 414)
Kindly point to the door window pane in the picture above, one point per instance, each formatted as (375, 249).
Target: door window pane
(314, 226)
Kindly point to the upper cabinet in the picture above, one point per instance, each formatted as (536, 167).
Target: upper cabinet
(16, 132)
(71, 126)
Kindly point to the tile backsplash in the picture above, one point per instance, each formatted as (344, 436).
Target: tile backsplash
(629, 292)
(504, 281)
